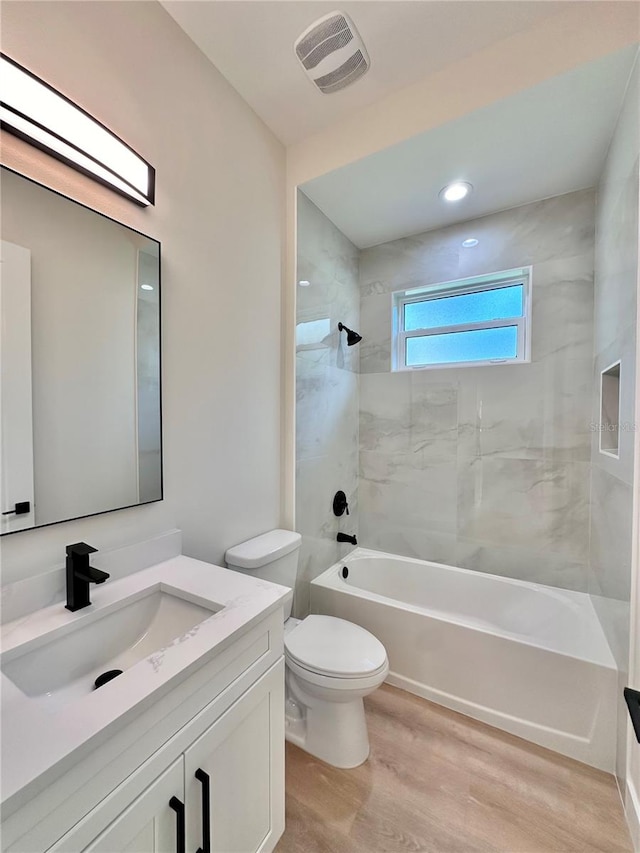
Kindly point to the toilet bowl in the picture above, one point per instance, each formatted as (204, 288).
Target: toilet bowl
(331, 664)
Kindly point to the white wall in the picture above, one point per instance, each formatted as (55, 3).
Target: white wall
(631, 792)
(618, 315)
(219, 216)
(616, 271)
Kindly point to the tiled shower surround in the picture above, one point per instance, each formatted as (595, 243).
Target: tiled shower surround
(485, 468)
(326, 393)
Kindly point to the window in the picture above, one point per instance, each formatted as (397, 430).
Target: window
(474, 321)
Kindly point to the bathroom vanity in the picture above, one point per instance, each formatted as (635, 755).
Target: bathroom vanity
(183, 751)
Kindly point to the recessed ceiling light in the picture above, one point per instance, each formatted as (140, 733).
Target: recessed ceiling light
(455, 191)
(304, 283)
(470, 243)
(146, 287)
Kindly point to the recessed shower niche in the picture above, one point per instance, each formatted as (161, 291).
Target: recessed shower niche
(610, 410)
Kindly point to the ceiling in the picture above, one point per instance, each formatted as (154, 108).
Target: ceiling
(251, 43)
(545, 141)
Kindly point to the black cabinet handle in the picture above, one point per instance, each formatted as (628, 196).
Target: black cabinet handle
(632, 698)
(178, 807)
(21, 508)
(203, 777)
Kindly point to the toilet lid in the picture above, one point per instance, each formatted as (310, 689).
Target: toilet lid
(332, 646)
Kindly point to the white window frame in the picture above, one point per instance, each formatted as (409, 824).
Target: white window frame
(460, 287)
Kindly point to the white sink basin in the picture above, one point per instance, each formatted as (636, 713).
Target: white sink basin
(65, 665)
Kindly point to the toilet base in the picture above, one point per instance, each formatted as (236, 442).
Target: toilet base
(335, 732)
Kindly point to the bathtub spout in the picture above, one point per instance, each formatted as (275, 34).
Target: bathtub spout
(344, 537)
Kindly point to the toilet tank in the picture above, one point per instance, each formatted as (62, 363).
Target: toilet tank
(272, 556)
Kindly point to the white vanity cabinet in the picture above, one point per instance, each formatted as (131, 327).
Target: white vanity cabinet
(224, 794)
(205, 747)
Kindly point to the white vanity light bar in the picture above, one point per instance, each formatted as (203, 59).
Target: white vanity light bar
(33, 111)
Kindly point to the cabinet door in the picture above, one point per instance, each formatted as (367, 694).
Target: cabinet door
(235, 772)
(149, 824)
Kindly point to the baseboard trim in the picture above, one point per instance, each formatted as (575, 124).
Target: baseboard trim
(632, 812)
(562, 742)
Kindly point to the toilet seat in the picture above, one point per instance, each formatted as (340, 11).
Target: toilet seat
(334, 649)
(338, 684)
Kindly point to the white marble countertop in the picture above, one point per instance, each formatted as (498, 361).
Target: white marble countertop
(37, 740)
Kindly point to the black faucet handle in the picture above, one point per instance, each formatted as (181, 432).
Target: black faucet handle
(80, 549)
(92, 575)
(340, 505)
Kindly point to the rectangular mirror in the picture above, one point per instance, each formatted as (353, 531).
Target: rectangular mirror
(80, 397)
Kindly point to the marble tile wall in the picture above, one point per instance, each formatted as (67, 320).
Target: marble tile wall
(327, 390)
(485, 468)
(616, 270)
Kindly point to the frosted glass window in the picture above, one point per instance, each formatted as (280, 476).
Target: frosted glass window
(450, 347)
(473, 321)
(499, 303)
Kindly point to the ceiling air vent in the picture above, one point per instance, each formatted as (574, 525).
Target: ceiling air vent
(332, 53)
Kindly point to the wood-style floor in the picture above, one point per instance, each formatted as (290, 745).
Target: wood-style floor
(440, 782)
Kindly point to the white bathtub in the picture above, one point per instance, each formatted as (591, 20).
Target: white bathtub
(526, 658)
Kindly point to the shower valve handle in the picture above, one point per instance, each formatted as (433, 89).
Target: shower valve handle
(340, 505)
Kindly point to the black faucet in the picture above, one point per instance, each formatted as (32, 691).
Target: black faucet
(344, 537)
(80, 574)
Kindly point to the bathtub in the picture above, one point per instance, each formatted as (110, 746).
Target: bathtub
(529, 659)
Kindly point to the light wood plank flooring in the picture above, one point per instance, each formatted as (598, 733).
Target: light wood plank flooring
(440, 782)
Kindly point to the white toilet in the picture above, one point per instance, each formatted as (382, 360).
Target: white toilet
(331, 663)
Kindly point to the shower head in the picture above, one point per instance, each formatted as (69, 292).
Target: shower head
(352, 337)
